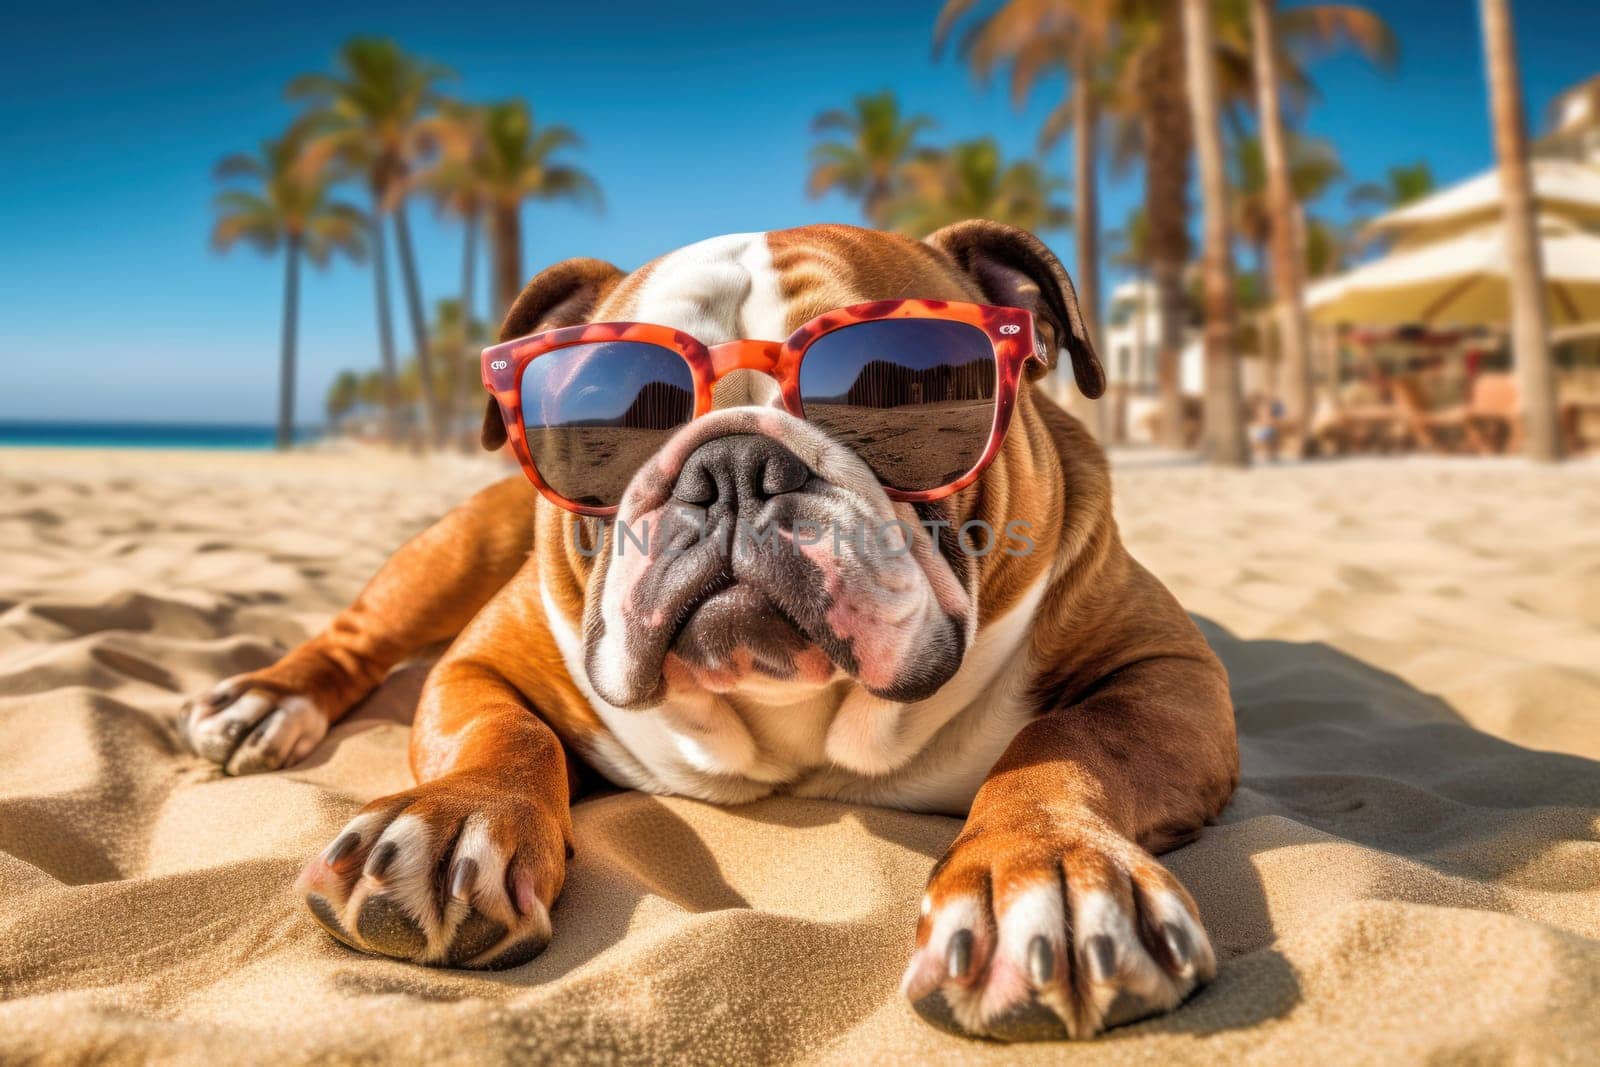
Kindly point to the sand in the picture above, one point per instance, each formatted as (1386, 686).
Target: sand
(1409, 871)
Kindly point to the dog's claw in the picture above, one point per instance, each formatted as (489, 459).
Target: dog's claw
(381, 858)
(341, 848)
(1178, 946)
(461, 875)
(959, 957)
(1041, 961)
(1102, 958)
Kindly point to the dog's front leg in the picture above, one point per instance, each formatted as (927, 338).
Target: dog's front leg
(461, 870)
(427, 592)
(1049, 916)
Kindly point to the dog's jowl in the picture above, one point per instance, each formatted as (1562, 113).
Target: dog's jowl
(798, 518)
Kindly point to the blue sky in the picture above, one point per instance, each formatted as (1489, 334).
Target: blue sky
(696, 116)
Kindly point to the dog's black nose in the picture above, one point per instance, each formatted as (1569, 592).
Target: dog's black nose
(738, 470)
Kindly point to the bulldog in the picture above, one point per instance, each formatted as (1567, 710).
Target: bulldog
(1047, 688)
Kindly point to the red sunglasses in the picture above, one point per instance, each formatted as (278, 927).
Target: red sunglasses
(921, 390)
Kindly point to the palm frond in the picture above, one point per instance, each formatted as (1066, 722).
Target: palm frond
(876, 144)
(238, 165)
(552, 139)
(1316, 29)
(952, 13)
(566, 183)
(314, 86)
(1031, 62)
(1056, 126)
(339, 228)
(832, 119)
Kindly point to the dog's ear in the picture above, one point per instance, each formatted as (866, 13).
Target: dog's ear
(564, 294)
(1012, 267)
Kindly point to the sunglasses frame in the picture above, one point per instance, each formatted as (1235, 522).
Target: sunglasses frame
(1009, 329)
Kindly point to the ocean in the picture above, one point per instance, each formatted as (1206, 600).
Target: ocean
(144, 435)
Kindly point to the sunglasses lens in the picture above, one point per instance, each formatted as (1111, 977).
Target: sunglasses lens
(913, 397)
(595, 413)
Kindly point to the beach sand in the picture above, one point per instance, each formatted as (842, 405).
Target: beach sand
(1409, 870)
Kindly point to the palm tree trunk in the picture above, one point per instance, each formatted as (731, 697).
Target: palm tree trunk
(1294, 341)
(1224, 421)
(1530, 326)
(291, 318)
(506, 234)
(380, 278)
(1086, 224)
(876, 204)
(469, 266)
(419, 324)
(1166, 179)
(1136, 375)
(1269, 328)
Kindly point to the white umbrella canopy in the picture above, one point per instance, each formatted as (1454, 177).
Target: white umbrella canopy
(1463, 280)
(1562, 188)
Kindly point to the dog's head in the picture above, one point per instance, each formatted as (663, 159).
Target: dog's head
(755, 555)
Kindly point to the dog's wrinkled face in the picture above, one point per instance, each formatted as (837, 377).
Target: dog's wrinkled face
(753, 554)
(754, 547)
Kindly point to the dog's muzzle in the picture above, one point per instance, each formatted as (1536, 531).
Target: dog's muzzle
(767, 551)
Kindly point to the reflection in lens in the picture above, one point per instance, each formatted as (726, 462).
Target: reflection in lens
(913, 397)
(595, 413)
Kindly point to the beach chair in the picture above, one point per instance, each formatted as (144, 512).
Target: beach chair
(1574, 415)
(1435, 430)
(1362, 419)
(1494, 415)
(1495, 422)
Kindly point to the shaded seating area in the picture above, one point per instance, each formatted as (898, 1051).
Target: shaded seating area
(1439, 294)
(1490, 423)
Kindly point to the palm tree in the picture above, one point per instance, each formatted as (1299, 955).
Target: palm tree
(1314, 168)
(344, 396)
(1400, 185)
(456, 184)
(517, 164)
(868, 160)
(1224, 414)
(455, 136)
(1150, 103)
(1372, 35)
(289, 209)
(1328, 246)
(454, 334)
(1147, 103)
(1037, 38)
(365, 117)
(1530, 327)
(374, 391)
(972, 180)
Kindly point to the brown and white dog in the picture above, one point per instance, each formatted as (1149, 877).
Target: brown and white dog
(1060, 697)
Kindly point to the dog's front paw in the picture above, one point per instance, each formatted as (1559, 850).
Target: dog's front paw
(459, 872)
(248, 724)
(1033, 931)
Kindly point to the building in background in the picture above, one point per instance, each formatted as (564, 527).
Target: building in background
(1132, 345)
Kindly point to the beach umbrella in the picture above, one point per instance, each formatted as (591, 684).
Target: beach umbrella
(1462, 279)
(1562, 188)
